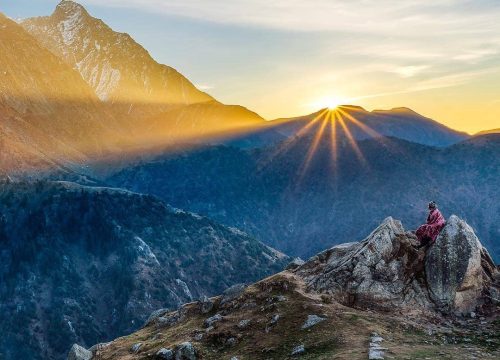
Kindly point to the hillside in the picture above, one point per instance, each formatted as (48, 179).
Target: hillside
(82, 264)
(48, 113)
(301, 208)
(378, 299)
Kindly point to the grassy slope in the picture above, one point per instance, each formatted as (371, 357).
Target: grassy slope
(344, 335)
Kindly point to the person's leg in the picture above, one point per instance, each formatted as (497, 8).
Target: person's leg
(424, 242)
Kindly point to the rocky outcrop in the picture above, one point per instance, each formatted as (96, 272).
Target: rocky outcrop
(385, 271)
(458, 269)
(382, 271)
(78, 352)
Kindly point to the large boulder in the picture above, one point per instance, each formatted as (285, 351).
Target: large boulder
(458, 269)
(385, 271)
(382, 271)
(78, 352)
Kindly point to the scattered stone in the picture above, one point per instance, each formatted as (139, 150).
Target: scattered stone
(136, 347)
(243, 324)
(186, 351)
(295, 263)
(206, 305)
(375, 351)
(274, 319)
(212, 320)
(234, 358)
(198, 337)
(232, 341)
(170, 319)
(298, 350)
(98, 347)
(311, 321)
(279, 298)
(78, 352)
(154, 316)
(232, 293)
(165, 354)
(208, 329)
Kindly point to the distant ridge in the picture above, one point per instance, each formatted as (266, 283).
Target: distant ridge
(491, 131)
(400, 122)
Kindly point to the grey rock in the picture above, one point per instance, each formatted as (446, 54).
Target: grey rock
(458, 268)
(298, 350)
(232, 341)
(165, 354)
(212, 320)
(154, 316)
(375, 351)
(295, 263)
(311, 321)
(275, 319)
(374, 354)
(78, 352)
(243, 324)
(136, 347)
(170, 319)
(206, 305)
(186, 351)
(372, 273)
(98, 347)
(382, 271)
(233, 293)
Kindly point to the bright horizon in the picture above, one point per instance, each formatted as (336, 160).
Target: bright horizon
(295, 57)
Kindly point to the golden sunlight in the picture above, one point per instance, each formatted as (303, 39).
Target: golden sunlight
(329, 102)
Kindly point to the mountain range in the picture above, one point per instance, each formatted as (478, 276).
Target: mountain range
(301, 203)
(101, 145)
(86, 264)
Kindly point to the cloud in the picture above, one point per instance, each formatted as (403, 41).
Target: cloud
(204, 87)
(409, 71)
(410, 17)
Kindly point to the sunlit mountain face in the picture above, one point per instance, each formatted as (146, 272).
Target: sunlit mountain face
(78, 93)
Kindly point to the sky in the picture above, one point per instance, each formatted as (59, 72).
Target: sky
(285, 58)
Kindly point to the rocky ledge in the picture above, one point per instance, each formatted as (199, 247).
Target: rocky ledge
(385, 271)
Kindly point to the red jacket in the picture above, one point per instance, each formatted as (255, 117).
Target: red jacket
(435, 223)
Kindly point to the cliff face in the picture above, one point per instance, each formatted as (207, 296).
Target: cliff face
(366, 299)
(80, 264)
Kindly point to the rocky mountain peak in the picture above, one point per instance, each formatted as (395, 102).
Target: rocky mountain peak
(385, 271)
(112, 63)
(69, 8)
(70, 17)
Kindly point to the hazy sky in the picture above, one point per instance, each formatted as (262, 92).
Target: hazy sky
(291, 57)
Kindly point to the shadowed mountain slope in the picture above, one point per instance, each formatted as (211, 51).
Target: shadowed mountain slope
(300, 203)
(82, 264)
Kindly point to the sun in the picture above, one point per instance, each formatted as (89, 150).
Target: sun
(329, 102)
